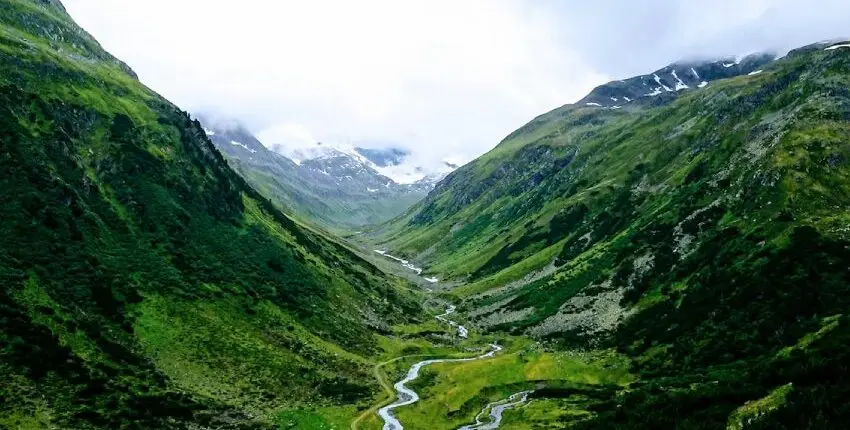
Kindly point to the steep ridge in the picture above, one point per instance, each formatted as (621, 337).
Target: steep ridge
(144, 283)
(670, 80)
(335, 189)
(701, 232)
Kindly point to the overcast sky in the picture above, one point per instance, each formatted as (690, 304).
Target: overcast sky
(440, 77)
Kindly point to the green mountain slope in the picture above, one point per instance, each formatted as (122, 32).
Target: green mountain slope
(144, 284)
(702, 233)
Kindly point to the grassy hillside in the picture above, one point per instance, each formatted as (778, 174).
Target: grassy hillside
(703, 234)
(144, 284)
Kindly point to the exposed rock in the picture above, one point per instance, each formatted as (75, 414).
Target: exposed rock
(592, 312)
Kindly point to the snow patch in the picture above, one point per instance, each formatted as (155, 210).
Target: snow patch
(658, 80)
(753, 73)
(680, 85)
(593, 104)
(655, 92)
(843, 45)
(408, 172)
(233, 142)
(317, 152)
(728, 65)
(614, 99)
(372, 190)
(412, 172)
(694, 71)
(627, 99)
(702, 84)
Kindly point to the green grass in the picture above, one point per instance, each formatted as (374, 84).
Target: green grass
(146, 283)
(452, 393)
(718, 216)
(321, 418)
(751, 412)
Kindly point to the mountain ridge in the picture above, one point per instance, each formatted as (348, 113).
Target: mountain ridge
(145, 283)
(336, 188)
(683, 231)
(682, 262)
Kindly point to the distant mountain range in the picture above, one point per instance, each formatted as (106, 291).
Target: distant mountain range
(336, 186)
(670, 80)
(383, 157)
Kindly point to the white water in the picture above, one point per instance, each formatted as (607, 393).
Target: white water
(406, 264)
(496, 409)
(461, 330)
(406, 396)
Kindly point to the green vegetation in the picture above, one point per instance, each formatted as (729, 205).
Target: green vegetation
(453, 393)
(144, 283)
(704, 236)
(695, 250)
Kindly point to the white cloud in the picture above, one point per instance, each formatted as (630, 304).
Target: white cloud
(289, 135)
(436, 76)
(625, 38)
(440, 77)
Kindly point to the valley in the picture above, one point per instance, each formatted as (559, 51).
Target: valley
(669, 251)
(671, 230)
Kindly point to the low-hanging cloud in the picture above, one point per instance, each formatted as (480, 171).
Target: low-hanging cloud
(439, 77)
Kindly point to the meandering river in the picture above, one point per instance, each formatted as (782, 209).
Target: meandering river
(407, 265)
(406, 396)
(496, 409)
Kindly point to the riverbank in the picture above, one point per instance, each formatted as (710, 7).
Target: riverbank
(405, 395)
(452, 394)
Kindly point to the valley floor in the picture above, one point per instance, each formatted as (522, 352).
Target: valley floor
(565, 384)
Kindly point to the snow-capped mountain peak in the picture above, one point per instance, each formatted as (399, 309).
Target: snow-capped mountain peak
(397, 164)
(301, 154)
(667, 82)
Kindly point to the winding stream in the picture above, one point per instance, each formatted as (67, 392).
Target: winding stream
(406, 396)
(461, 330)
(496, 409)
(407, 265)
